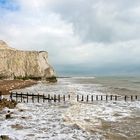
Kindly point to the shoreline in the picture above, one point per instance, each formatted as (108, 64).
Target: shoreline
(7, 85)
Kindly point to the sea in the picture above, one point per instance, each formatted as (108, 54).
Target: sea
(77, 120)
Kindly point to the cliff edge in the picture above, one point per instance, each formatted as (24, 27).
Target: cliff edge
(16, 64)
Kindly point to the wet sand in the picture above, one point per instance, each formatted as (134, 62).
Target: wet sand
(7, 85)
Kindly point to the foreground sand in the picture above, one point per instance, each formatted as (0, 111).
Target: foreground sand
(8, 85)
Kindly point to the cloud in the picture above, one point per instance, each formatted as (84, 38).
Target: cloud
(86, 37)
(100, 21)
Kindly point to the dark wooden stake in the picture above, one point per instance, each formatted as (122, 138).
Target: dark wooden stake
(38, 98)
(92, 98)
(111, 97)
(87, 98)
(21, 96)
(64, 98)
(101, 97)
(96, 97)
(125, 97)
(106, 97)
(82, 98)
(58, 98)
(16, 97)
(32, 97)
(27, 97)
(136, 97)
(115, 97)
(69, 96)
(54, 98)
(43, 98)
(48, 97)
(77, 97)
(131, 97)
(11, 96)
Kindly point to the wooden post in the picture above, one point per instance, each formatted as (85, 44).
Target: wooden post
(43, 98)
(92, 98)
(21, 96)
(48, 97)
(87, 98)
(115, 97)
(38, 98)
(101, 97)
(11, 96)
(64, 98)
(131, 97)
(16, 97)
(136, 97)
(96, 97)
(58, 98)
(69, 96)
(54, 98)
(32, 97)
(106, 97)
(111, 97)
(82, 98)
(27, 97)
(125, 97)
(77, 98)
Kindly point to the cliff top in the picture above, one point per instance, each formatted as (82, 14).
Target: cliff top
(4, 46)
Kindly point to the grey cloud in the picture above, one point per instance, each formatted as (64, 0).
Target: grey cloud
(100, 20)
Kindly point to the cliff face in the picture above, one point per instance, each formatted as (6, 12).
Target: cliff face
(24, 64)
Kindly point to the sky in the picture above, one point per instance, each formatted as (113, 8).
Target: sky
(82, 37)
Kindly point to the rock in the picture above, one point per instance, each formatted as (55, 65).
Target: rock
(6, 103)
(17, 64)
(8, 116)
(4, 137)
(17, 126)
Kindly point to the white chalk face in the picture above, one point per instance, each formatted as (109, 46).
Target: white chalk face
(84, 37)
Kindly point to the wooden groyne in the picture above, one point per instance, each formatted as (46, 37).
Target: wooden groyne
(28, 97)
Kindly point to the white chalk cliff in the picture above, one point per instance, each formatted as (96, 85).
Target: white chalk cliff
(24, 64)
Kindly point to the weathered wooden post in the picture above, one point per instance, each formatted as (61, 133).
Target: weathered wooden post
(125, 97)
(131, 97)
(64, 98)
(32, 97)
(69, 96)
(111, 97)
(77, 98)
(87, 98)
(92, 98)
(96, 97)
(43, 98)
(54, 98)
(59, 98)
(136, 97)
(11, 96)
(21, 96)
(38, 98)
(82, 98)
(106, 97)
(48, 97)
(16, 97)
(27, 97)
(115, 97)
(101, 97)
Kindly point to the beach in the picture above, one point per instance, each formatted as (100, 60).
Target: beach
(72, 120)
(7, 85)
